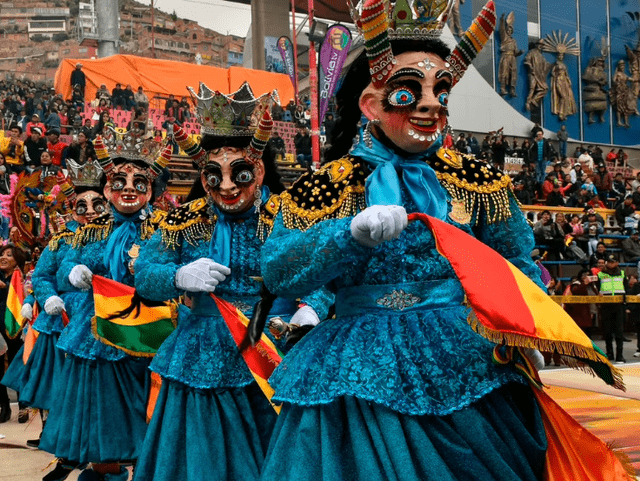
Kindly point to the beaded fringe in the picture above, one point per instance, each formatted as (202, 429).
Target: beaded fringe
(193, 231)
(92, 233)
(56, 240)
(350, 202)
(495, 205)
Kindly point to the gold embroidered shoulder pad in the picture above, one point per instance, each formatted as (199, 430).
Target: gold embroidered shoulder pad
(64, 236)
(334, 191)
(99, 229)
(268, 213)
(152, 223)
(191, 220)
(476, 183)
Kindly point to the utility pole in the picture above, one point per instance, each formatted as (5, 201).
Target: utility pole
(153, 31)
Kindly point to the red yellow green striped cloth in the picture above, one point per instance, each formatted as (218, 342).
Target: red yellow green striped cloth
(139, 333)
(508, 307)
(13, 320)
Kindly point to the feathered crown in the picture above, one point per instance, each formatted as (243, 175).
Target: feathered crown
(424, 19)
(235, 114)
(153, 153)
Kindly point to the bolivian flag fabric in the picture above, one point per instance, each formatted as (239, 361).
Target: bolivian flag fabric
(13, 321)
(508, 307)
(139, 331)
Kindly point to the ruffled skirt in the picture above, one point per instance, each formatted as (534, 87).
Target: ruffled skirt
(16, 374)
(43, 370)
(195, 434)
(500, 437)
(99, 410)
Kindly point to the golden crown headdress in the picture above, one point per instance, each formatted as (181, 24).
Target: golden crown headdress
(380, 23)
(235, 114)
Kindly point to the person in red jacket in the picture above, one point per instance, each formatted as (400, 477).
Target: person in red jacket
(57, 148)
(603, 181)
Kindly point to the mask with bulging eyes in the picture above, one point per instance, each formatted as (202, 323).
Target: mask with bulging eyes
(128, 188)
(412, 107)
(231, 181)
(88, 206)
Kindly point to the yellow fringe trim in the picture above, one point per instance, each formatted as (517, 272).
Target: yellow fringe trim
(92, 233)
(350, 202)
(562, 347)
(192, 231)
(66, 236)
(493, 198)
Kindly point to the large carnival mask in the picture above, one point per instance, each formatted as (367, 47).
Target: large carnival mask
(128, 188)
(231, 181)
(411, 107)
(88, 206)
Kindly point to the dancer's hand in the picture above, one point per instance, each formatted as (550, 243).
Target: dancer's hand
(80, 277)
(202, 275)
(534, 357)
(305, 316)
(54, 306)
(27, 311)
(378, 223)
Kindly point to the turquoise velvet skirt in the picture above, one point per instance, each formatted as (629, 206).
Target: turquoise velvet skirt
(198, 434)
(499, 437)
(43, 370)
(16, 374)
(99, 410)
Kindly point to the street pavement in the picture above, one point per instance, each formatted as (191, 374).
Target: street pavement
(612, 415)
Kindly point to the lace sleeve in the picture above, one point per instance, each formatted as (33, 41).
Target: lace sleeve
(320, 300)
(156, 270)
(70, 260)
(513, 239)
(296, 263)
(44, 276)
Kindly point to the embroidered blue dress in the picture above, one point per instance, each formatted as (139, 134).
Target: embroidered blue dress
(99, 406)
(17, 374)
(211, 420)
(397, 386)
(45, 362)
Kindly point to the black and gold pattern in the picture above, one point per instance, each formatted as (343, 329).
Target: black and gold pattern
(99, 229)
(192, 220)
(475, 183)
(268, 214)
(333, 192)
(64, 236)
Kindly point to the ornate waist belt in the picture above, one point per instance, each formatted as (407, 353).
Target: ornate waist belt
(406, 297)
(204, 305)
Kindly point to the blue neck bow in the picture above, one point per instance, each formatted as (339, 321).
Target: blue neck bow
(119, 243)
(220, 246)
(383, 186)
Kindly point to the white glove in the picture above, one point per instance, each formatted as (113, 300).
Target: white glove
(80, 277)
(27, 311)
(534, 357)
(305, 316)
(378, 223)
(202, 275)
(54, 306)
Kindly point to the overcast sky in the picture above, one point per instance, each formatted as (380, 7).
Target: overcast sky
(223, 17)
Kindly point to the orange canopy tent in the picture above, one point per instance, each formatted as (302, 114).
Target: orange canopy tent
(164, 77)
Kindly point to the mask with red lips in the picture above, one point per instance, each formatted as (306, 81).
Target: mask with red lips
(230, 180)
(128, 188)
(88, 206)
(412, 106)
